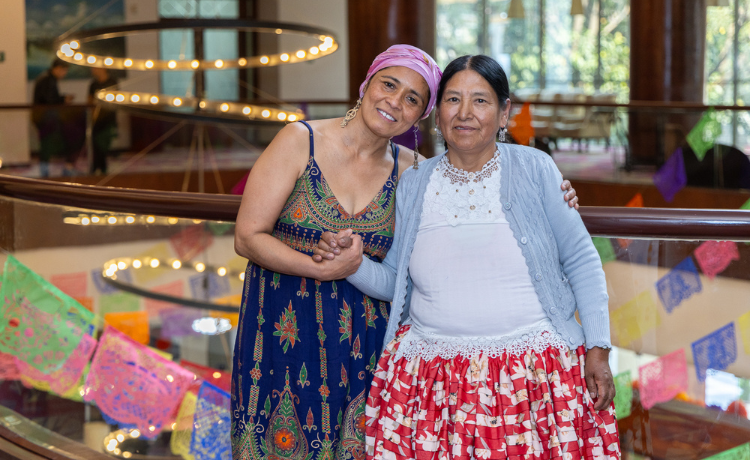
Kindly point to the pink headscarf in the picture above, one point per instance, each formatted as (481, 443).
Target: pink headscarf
(412, 58)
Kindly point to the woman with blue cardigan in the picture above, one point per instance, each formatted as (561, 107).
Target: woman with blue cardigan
(484, 357)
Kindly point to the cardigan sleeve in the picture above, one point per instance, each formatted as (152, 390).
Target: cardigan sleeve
(580, 261)
(376, 279)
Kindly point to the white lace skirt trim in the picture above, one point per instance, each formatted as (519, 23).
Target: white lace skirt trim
(537, 337)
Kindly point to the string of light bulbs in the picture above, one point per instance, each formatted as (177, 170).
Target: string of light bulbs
(72, 48)
(206, 106)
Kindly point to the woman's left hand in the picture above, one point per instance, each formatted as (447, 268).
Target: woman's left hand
(570, 194)
(599, 378)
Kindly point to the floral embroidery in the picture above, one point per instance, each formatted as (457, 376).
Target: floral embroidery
(286, 329)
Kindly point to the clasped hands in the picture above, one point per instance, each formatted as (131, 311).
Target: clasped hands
(339, 254)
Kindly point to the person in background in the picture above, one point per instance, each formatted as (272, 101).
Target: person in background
(48, 120)
(104, 129)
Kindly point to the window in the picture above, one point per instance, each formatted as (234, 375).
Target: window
(546, 49)
(217, 44)
(727, 67)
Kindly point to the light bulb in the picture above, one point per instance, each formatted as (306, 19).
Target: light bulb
(300, 54)
(171, 64)
(282, 116)
(154, 100)
(284, 57)
(128, 62)
(134, 98)
(150, 219)
(242, 276)
(109, 61)
(94, 219)
(177, 102)
(279, 31)
(91, 59)
(122, 265)
(264, 60)
(154, 263)
(292, 117)
(120, 98)
(266, 113)
(219, 63)
(109, 97)
(176, 264)
(242, 62)
(314, 50)
(78, 56)
(85, 221)
(224, 107)
(74, 44)
(136, 263)
(149, 64)
(130, 219)
(199, 267)
(246, 111)
(195, 64)
(221, 271)
(112, 220)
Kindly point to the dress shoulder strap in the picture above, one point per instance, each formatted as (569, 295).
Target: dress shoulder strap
(312, 144)
(395, 149)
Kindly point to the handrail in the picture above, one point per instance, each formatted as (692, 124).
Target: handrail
(673, 105)
(38, 440)
(662, 223)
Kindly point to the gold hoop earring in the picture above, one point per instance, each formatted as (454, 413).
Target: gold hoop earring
(416, 148)
(351, 114)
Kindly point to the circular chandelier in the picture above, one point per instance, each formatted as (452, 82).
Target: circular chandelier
(72, 48)
(113, 266)
(207, 107)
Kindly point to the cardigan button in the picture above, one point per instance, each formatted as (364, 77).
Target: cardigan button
(538, 277)
(524, 240)
(572, 340)
(507, 205)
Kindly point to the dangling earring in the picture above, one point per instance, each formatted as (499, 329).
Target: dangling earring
(351, 114)
(416, 148)
(439, 135)
(501, 134)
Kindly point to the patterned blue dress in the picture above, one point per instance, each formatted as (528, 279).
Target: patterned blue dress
(306, 349)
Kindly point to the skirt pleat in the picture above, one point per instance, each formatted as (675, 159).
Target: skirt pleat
(533, 405)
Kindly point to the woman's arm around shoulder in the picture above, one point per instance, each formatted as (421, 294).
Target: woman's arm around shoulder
(271, 181)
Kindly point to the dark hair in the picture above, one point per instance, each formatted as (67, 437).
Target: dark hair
(59, 63)
(485, 66)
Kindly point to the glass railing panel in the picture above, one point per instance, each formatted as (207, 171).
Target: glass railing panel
(170, 286)
(680, 324)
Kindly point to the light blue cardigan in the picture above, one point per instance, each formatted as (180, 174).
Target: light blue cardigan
(564, 266)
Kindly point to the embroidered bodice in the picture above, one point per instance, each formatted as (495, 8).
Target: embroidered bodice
(465, 196)
(312, 209)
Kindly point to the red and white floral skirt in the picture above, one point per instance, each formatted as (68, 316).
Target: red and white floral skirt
(530, 405)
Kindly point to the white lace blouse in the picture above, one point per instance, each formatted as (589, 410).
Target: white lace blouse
(472, 288)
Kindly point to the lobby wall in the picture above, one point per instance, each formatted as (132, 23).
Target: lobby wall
(322, 79)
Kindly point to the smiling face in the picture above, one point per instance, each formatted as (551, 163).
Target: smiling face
(470, 114)
(394, 101)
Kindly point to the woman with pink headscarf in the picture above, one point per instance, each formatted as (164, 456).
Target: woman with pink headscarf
(308, 341)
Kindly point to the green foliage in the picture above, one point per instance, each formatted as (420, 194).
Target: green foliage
(569, 57)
